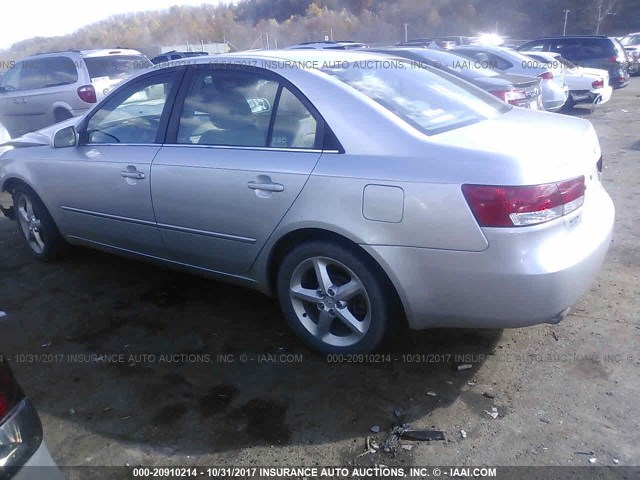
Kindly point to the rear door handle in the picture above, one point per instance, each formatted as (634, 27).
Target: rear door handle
(269, 187)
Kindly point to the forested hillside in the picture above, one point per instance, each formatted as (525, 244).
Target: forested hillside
(279, 23)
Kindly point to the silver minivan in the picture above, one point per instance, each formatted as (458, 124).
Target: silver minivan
(48, 88)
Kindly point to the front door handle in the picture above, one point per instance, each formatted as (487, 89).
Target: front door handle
(269, 187)
(132, 174)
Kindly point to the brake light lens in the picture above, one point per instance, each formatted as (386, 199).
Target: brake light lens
(599, 165)
(9, 393)
(87, 94)
(598, 83)
(513, 97)
(548, 75)
(521, 206)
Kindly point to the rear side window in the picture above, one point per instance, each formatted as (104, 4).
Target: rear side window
(227, 108)
(59, 71)
(115, 67)
(294, 126)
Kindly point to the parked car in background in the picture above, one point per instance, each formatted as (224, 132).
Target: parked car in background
(631, 45)
(417, 199)
(518, 90)
(48, 88)
(554, 91)
(340, 45)
(175, 55)
(601, 52)
(445, 42)
(586, 85)
(23, 453)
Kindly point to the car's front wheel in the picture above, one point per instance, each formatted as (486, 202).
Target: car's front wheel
(335, 298)
(36, 225)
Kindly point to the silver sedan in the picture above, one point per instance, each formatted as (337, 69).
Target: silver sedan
(554, 89)
(364, 192)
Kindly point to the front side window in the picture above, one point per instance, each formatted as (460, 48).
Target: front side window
(132, 115)
(11, 79)
(430, 101)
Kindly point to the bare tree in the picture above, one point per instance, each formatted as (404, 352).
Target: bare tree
(604, 8)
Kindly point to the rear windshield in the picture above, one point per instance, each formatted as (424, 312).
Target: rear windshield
(115, 67)
(429, 100)
(463, 66)
(630, 40)
(576, 49)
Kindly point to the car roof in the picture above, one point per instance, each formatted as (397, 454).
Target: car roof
(558, 37)
(489, 48)
(103, 52)
(310, 57)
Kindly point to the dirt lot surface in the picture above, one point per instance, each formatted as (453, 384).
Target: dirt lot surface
(560, 391)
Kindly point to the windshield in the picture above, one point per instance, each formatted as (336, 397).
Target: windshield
(115, 67)
(630, 40)
(429, 100)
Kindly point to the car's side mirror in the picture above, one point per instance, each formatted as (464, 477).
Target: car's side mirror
(65, 137)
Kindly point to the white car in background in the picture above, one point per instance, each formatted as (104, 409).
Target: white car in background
(586, 85)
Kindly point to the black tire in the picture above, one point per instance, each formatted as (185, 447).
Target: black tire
(61, 115)
(343, 263)
(53, 244)
(569, 104)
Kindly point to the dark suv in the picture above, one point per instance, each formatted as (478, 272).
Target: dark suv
(590, 51)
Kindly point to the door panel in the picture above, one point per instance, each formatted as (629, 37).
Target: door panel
(102, 205)
(210, 215)
(103, 186)
(218, 191)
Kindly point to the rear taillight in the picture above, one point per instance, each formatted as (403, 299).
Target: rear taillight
(546, 75)
(10, 394)
(20, 427)
(514, 97)
(520, 206)
(4, 406)
(599, 165)
(87, 94)
(618, 59)
(598, 83)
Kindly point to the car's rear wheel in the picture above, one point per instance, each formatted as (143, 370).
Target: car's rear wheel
(36, 226)
(334, 298)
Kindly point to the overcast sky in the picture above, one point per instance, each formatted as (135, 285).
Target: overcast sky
(22, 19)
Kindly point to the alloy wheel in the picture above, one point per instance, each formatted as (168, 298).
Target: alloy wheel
(330, 301)
(30, 224)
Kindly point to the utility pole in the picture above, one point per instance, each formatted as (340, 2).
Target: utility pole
(566, 14)
(406, 32)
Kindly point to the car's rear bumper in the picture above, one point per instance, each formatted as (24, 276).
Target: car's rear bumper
(40, 466)
(522, 278)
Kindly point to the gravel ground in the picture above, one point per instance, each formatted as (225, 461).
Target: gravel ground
(195, 372)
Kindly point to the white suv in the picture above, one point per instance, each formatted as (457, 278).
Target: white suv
(47, 88)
